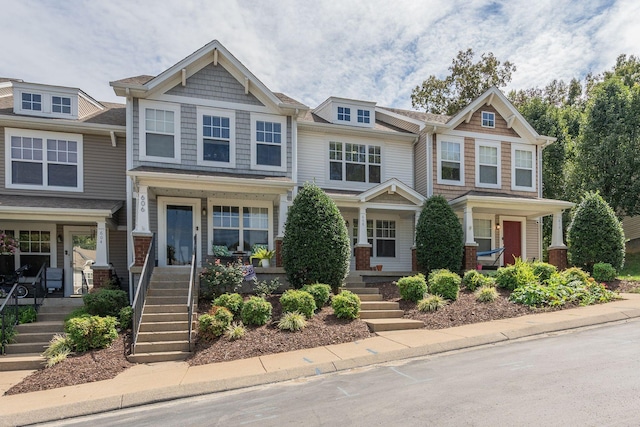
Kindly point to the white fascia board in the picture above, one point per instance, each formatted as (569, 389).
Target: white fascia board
(40, 123)
(173, 180)
(398, 187)
(407, 119)
(45, 214)
(515, 203)
(352, 130)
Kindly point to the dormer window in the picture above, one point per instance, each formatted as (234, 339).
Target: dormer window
(31, 101)
(488, 119)
(344, 114)
(363, 116)
(61, 104)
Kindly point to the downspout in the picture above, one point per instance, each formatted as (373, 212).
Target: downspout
(540, 219)
(430, 140)
(129, 166)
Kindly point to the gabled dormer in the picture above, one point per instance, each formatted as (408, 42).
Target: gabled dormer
(350, 112)
(58, 102)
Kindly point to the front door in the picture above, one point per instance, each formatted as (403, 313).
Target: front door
(79, 256)
(512, 240)
(178, 221)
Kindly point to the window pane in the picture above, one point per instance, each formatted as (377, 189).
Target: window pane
(255, 218)
(385, 248)
(524, 159)
(335, 171)
(374, 174)
(62, 175)
(26, 173)
(483, 244)
(255, 237)
(216, 151)
(226, 237)
(488, 155)
(524, 178)
(268, 155)
(488, 174)
(482, 228)
(450, 151)
(355, 172)
(160, 145)
(451, 171)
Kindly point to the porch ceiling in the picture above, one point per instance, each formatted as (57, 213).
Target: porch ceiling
(511, 206)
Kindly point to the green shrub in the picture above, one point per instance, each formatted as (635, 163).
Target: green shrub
(320, 293)
(298, 300)
(125, 317)
(346, 305)
(431, 303)
(256, 311)
(560, 291)
(214, 323)
(89, 332)
(217, 278)
(604, 272)
(513, 276)
(105, 302)
(316, 244)
(235, 331)
(439, 237)
(412, 288)
(595, 234)
(486, 294)
(265, 289)
(446, 284)
(233, 302)
(534, 295)
(292, 321)
(543, 270)
(77, 312)
(27, 314)
(575, 273)
(58, 349)
(473, 279)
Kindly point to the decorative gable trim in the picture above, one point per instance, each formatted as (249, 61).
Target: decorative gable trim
(393, 186)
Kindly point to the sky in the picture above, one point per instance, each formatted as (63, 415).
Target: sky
(310, 50)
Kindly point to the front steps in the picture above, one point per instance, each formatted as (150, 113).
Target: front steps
(379, 315)
(25, 352)
(164, 328)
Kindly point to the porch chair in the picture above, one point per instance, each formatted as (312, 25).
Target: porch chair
(55, 278)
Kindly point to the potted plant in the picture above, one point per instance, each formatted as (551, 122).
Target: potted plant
(264, 255)
(255, 261)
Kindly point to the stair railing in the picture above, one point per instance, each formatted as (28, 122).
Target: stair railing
(194, 289)
(141, 292)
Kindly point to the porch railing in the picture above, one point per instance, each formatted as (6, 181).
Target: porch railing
(194, 289)
(141, 292)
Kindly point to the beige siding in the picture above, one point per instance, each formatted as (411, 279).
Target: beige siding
(533, 240)
(420, 165)
(86, 108)
(631, 227)
(475, 124)
(118, 254)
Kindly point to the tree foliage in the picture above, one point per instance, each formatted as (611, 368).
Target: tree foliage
(315, 248)
(467, 81)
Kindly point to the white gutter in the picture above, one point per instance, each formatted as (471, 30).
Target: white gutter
(59, 124)
(359, 131)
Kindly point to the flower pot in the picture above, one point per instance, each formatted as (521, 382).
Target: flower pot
(379, 267)
(255, 262)
(265, 263)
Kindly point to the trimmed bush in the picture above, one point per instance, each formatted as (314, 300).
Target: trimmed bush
(542, 270)
(125, 317)
(346, 305)
(316, 244)
(292, 321)
(431, 303)
(595, 234)
(473, 279)
(89, 332)
(604, 272)
(486, 294)
(575, 273)
(513, 276)
(446, 284)
(105, 302)
(233, 302)
(217, 278)
(235, 331)
(256, 311)
(412, 288)
(439, 237)
(215, 323)
(320, 293)
(298, 300)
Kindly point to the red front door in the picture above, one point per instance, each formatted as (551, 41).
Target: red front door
(511, 238)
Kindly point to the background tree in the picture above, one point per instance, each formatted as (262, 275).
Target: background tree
(438, 237)
(315, 248)
(467, 81)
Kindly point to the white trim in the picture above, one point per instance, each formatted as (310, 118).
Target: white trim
(44, 135)
(162, 225)
(532, 150)
(46, 100)
(355, 185)
(523, 235)
(486, 136)
(211, 103)
(142, 140)
(455, 140)
(482, 113)
(240, 204)
(491, 218)
(498, 147)
(231, 115)
(282, 120)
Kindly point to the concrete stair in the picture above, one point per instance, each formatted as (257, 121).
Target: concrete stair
(164, 327)
(379, 315)
(25, 352)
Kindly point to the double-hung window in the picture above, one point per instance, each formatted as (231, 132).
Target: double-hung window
(159, 132)
(269, 142)
(381, 235)
(240, 227)
(523, 169)
(31, 101)
(43, 160)
(34, 247)
(488, 119)
(355, 162)
(451, 161)
(488, 168)
(483, 233)
(216, 137)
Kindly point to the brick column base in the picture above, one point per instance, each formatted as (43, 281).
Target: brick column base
(558, 257)
(141, 245)
(414, 260)
(101, 275)
(363, 257)
(278, 251)
(470, 259)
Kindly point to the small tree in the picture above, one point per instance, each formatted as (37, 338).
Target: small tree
(595, 234)
(438, 237)
(315, 248)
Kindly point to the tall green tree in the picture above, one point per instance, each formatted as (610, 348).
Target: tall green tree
(467, 80)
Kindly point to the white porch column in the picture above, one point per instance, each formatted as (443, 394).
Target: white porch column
(282, 214)
(362, 227)
(102, 253)
(556, 231)
(469, 237)
(415, 226)
(142, 210)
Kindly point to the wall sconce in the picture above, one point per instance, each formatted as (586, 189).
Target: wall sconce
(498, 227)
(346, 223)
(204, 211)
(59, 239)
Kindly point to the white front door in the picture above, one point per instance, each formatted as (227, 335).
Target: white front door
(79, 256)
(178, 223)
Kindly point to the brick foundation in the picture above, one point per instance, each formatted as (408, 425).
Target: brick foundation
(363, 257)
(470, 259)
(558, 257)
(414, 260)
(278, 251)
(101, 276)
(140, 247)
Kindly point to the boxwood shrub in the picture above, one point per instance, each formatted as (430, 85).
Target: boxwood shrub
(89, 332)
(604, 272)
(320, 293)
(256, 311)
(233, 302)
(346, 305)
(298, 300)
(412, 288)
(446, 284)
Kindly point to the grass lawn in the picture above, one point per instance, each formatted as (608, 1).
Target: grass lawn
(631, 270)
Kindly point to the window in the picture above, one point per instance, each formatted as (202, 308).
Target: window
(61, 104)
(35, 248)
(523, 172)
(363, 116)
(216, 137)
(357, 163)
(488, 119)
(159, 132)
(240, 233)
(36, 160)
(382, 238)
(488, 164)
(269, 142)
(483, 233)
(31, 101)
(344, 114)
(451, 161)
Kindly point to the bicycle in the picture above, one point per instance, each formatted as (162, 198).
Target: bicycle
(9, 280)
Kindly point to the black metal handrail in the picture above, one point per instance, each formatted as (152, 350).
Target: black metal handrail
(141, 292)
(40, 278)
(194, 289)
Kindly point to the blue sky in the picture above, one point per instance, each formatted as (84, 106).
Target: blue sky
(310, 50)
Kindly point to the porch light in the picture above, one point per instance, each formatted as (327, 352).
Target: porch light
(204, 211)
(498, 227)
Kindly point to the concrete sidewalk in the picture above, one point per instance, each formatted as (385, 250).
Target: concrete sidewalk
(148, 383)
